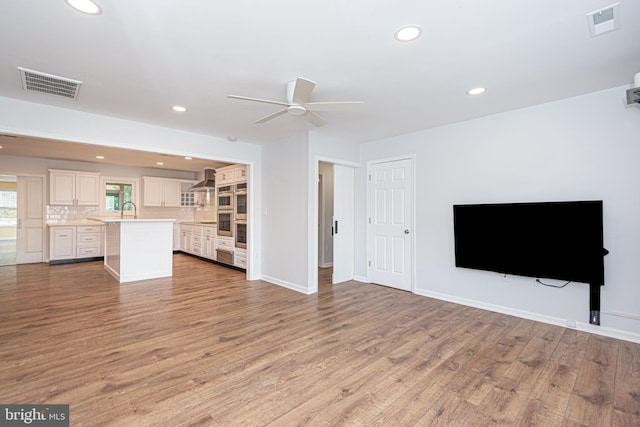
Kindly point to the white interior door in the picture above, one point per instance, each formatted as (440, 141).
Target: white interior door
(343, 223)
(30, 234)
(390, 219)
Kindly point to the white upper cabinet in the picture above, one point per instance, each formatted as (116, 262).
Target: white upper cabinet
(74, 188)
(231, 174)
(161, 192)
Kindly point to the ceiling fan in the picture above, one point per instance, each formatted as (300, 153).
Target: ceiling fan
(298, 93)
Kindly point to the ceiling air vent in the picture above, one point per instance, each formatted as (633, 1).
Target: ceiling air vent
(604, 20)
(35, 81)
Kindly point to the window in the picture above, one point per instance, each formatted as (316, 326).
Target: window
(8, 207)
(116, 192)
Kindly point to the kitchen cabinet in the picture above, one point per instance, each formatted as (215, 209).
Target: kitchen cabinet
(75, 242)
(160, 192)
(231, 174)
(240, 258)
(191, 240)
(209, 242)
(167, 192)
(89, 241)
(74, 188)
(62, 243)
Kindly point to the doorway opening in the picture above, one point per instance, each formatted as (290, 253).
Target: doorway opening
(325, 223)
(8, 219)
(334, 216)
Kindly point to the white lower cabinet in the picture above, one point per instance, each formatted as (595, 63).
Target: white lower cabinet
(209, 242)
(62, 243)
(240, 258)
(203, 241)
(75, 242)
(191, 239)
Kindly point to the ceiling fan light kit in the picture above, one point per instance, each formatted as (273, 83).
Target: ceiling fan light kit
(298, 93)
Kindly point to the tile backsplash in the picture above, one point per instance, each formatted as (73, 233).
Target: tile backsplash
(62, 214)
(204, 211)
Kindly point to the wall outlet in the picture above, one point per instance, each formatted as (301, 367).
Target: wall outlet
(571, 323)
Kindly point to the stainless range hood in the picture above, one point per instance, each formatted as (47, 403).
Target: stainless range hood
(208, 183)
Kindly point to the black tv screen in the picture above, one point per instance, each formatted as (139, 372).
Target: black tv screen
(554, 240)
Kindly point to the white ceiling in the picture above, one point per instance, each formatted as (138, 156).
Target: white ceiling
(138, 58)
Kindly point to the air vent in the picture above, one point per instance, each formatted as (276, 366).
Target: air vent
(604, 20)
(35, 81)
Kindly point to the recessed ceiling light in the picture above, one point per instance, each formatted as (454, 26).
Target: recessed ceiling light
(408, 33)
(85, 6)
(476, 91)
(100, 157)
(232, 138)
(179, 108)
(159, 163)
(188, 158)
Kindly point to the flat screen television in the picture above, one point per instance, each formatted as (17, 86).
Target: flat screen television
(554, 240)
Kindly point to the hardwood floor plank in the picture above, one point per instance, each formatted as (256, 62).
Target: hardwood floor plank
(626, 398)
(591, 400)
(207, 347)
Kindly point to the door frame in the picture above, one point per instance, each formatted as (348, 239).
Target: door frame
(412, 211)
(45, 237)
(312, 230)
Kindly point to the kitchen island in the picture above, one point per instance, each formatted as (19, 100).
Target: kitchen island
(138, 249)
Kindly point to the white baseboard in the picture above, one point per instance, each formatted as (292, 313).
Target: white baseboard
(581, 326)
(288, 285)
(363, 279)
(326, 265)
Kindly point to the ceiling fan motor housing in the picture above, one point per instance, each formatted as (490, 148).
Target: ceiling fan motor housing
(296, 110)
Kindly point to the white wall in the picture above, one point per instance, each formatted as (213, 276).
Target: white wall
(581, 148)
(284, 215)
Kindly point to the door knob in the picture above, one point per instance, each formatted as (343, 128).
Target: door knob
(406, 231)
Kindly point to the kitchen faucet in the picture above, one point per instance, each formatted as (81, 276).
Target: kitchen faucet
(135, 210)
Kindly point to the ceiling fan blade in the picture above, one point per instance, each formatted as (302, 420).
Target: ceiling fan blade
(270, 116)
(267, 101)
(336, 106)
(302, 90)
(315, 119)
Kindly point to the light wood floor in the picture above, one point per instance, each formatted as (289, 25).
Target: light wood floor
(207, 347)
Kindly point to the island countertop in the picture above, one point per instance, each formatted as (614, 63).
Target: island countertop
(137, 220)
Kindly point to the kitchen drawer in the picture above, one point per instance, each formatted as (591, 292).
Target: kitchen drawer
(88, 251)
(209, 231)
(88, 238)
(240, 261)
(190, 228)
(224, 244)
(89, 229)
